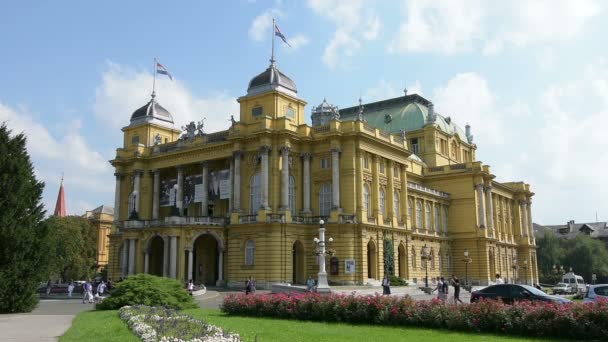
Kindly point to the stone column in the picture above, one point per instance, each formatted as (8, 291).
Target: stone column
(264, 150)
(124, 258)
(404, 195)
(237, 181)
(166, 256)
(530, 225)
(481, 210)
(524, 217)
(390, 190)
(179, 196)
(490, 207)
(375, 195)
(117, 197)
(285, 178)
(137, 188)
(146, 261)
(156, 195)
(220, 267)
(306, 183)
(190, 265)
(131, 257)
(335, 178)
(205, 199)
(231, 181)
(173, 258)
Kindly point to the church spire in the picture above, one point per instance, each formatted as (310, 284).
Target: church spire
(60, 208)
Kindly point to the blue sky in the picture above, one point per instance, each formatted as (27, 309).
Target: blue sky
(531, 77)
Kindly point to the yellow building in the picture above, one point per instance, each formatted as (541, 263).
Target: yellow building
(101, 219)
(219, 207)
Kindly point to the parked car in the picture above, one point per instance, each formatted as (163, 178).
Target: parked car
(562, 288)
(576, 282)
(510, 293)
(596, 292)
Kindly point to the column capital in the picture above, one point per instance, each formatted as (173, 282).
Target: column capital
(265, 148)
(205, 163)
(118, 175)
(306, 155)
(179, 168)
(479, 186)
(336, 149)
(523, 203)
(138, 172)
(153, 171)
(285, 149)
(238, 153)
(488, 188)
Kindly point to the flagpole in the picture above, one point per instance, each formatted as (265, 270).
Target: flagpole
(272, 55)
(154, 80)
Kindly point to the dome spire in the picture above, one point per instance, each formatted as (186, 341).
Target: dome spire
(60, 207)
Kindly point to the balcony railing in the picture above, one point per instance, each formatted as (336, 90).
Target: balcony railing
(248, 218)
(416, 186)
(175, 220)
(274, 218)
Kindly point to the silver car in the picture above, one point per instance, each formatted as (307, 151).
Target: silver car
(596, 292)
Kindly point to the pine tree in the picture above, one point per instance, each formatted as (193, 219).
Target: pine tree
(24, 241)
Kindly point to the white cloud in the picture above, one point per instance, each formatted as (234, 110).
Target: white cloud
(123, 90)
(449, 27)
(261, 27)
(385, 89)
(297, 41)
(439, 26)
(87, 171)
(353, 23)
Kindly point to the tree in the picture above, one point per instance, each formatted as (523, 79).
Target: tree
(75, 247)
(550, 252)
(24, 241)
(587, 256)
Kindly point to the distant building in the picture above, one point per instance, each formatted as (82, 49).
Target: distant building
(596, 230)
(101, 218)
(60, 207)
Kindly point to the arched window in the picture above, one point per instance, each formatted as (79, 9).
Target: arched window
(396, 205)
(255, 193)
(367, 200)
(423, 261)
(325, 199)
(454, 150)
(437, 217)
(418, 214)
(249, 252)
(413, 257)
(445, 219)
(409, 209)
(382, 203)
(292, 195)
(427, 221)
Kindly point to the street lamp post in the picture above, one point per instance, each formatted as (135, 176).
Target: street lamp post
(467, 260)
(322, 284)
(514, 270)
(425, 257)
(525, 267)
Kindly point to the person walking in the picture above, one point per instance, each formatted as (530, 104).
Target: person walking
(85, 292)
(70, 289)
(439, 289)
(101, 288)
(444, 289)
(90, 292)
(190, 286)
(310, 284)
(499, 280)
(49, 286)
(248, 285)
(456, 284)
(386, 285)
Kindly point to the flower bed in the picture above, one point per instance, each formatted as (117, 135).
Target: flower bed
(576, 321)
(163, 324)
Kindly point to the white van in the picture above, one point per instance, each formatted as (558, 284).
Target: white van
(576, 282)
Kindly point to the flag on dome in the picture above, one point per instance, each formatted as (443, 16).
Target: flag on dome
(160, 69)
(279, 34)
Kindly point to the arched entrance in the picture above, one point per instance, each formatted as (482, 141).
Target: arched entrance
(372, 261)
(156, 256)
(205, 260)
(401, 261)
(299, 263)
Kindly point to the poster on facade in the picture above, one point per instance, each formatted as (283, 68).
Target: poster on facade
(190, 183)
(349, 266)
(168, 187)
(219, 184)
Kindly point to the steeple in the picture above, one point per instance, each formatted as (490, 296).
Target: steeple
(60, 208)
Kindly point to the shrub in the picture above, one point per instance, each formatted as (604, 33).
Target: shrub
(145, 289)
(573, 321)
(396, 281)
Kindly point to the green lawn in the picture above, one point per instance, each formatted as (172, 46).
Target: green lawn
(107, 326)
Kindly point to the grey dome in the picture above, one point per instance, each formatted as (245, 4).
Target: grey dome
(150, 111)
(271, 79)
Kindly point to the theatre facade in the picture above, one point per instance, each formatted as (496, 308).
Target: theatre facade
(388, 177)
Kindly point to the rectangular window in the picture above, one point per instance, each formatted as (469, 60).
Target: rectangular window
(257, 111)
(290, 113)
(325, 163)
(414, 145)
(366, 162)
(135, 140)
(396, 171)
(381, 166)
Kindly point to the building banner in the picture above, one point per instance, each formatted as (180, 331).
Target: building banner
(168, 188)
(219, 184)
(190, 184)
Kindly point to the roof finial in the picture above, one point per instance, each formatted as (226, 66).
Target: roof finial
(404, 91)
(360, 112)
(62, 178)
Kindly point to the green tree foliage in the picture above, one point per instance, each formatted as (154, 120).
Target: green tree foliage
(24, 241)
(389, 255)
(585, 255)
(75, 247)
(146, 289)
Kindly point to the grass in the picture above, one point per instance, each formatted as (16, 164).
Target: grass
(107, 326)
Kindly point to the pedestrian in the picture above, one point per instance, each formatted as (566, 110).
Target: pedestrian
(456, 284)
(386, 285)
(90, 292)
(110, 285)
(70, 289)
(253, 285)
(444, 289)
(101, 288)
(49, 286)
(248, 285)
(310, 284)
(190, 286)
(499, 280)
(85, 292)
(439, 289)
